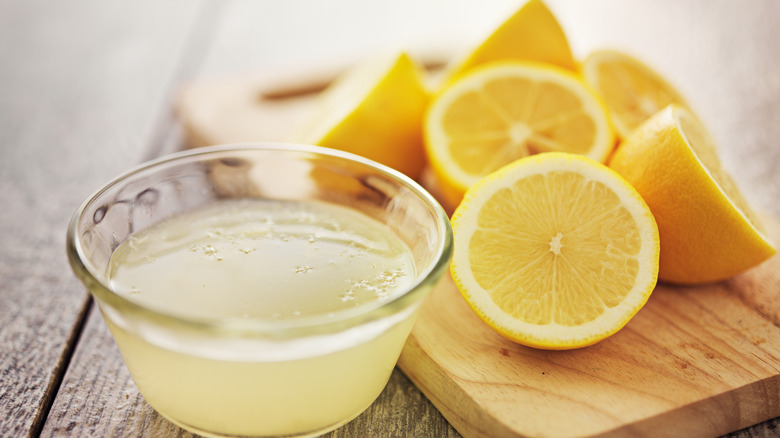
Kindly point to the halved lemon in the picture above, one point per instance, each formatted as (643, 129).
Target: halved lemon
(504, 111)
(708, 230)
(374, 110)
(555, 251)
(632, 91)
(530, 34)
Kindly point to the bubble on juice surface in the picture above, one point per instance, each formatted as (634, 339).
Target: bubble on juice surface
(207, 250)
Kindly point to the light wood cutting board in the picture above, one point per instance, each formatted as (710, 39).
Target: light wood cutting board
(695, 361)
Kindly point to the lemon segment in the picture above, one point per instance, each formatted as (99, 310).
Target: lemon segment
(555, 251)
(374, 110)
(708, 230)
(504, 111)
(632, 91)
(530, 34)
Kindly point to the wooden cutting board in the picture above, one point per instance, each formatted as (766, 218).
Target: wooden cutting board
(695, 361)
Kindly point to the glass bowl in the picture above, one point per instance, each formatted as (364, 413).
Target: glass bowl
(255, 352)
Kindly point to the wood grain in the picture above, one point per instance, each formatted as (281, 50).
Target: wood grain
(98, 397)
(78, 101)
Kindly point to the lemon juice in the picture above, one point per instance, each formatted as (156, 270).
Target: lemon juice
(245, 263)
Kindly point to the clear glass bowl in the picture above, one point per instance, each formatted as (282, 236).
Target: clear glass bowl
(258, 376)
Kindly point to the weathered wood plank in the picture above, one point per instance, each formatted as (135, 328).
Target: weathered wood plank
(98, 397)
(81, 84)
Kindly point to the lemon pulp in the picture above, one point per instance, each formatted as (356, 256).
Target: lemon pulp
(555, 251)
(578, 247)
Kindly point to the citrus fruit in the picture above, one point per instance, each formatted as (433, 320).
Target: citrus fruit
(554, 251)
(532, 33)
(374, 110)
(708, 231)
(504, 111)
(631, 90)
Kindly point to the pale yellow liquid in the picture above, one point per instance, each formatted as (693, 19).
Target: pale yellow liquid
(272, 261)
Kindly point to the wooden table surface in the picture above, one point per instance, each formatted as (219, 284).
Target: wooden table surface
(86, 91)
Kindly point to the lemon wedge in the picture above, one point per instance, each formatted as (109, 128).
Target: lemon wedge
(708, 230)
(374, 110)
(530, 34)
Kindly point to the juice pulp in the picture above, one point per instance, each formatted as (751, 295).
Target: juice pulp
(273, 261)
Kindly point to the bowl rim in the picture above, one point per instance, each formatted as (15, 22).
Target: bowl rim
(292, 328)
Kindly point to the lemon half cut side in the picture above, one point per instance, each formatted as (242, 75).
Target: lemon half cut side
(507, 110)
(632, 91)
(555, 251)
